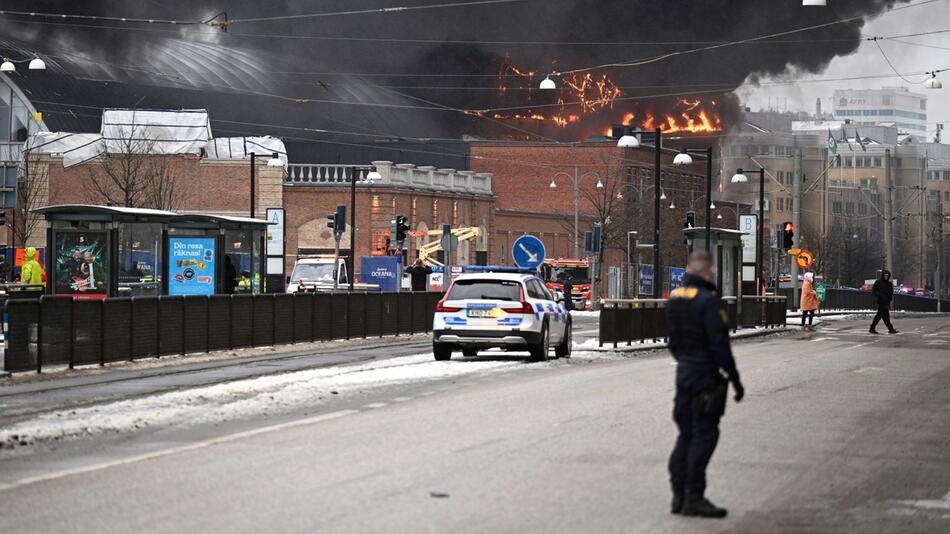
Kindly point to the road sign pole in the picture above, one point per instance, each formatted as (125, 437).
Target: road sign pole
(447, 250)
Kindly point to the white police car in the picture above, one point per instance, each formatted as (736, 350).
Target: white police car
(509, 310)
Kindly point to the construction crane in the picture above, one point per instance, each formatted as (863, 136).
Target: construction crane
(427, 252)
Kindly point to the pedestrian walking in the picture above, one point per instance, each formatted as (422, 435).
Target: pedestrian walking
(698, 329)
(809, 302)
(31, 272)
(883, 291)
(419, 273)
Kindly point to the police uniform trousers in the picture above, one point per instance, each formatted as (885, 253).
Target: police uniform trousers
(697, 414)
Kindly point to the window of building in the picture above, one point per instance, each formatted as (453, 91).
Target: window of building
(849, 208)
(862, 209)
(836, 206)
(781, 204)
(848, 162)
(946, 196)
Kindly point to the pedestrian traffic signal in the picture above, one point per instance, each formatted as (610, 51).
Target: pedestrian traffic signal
(788, 239)
(331, 220)
(690, 219)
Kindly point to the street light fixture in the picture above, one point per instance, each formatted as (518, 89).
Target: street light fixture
(7, 66)
(373, 175)
(37, 64)
(673, 204)
(683, 158)
(547, 83)
(739, 178)
(576, 180)
(628, 141)
(274, 161)
(662, 195)
(933, 82)
(712, 205)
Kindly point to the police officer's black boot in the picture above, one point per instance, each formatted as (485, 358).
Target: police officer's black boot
(677, 506)
(699, 506)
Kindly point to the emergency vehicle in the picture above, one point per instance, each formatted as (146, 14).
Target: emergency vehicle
(555, 271)
(511, 310)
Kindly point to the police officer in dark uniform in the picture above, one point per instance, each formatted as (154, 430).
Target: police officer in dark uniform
(697, 324)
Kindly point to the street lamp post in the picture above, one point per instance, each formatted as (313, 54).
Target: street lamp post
(576, 181)
(628, 140)
(683, 158)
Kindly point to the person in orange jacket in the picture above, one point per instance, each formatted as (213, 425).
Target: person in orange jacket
(809, 301)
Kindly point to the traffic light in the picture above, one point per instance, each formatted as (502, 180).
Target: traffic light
(691, 219)
(337, 219)
(788, 239)
(401, 228)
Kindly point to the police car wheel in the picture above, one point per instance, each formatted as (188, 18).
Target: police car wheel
(563, 350)
(441, 352)
(539, 351)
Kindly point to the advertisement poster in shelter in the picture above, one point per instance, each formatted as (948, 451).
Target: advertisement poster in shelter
(81, 264)
(191, 265)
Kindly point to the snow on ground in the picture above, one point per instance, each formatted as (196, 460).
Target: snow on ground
(238, 399)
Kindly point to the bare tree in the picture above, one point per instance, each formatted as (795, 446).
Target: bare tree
(163, 190)
(132, 174)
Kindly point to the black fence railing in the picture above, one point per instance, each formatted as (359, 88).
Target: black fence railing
(844, 299)
(629, 321)
(60, 330)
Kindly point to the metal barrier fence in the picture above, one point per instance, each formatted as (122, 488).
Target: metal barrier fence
(627, 321)
(845, 299)
(60, 330)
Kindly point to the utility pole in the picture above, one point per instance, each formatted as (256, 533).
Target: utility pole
(923, 222)
(888, 214)
(796, 217)
(938, 272)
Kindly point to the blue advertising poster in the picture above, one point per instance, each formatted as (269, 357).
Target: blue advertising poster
(645, 285)
(676, 277)
(382, 271)
(191, 265)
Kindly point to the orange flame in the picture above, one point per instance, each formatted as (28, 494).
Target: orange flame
(592, 95)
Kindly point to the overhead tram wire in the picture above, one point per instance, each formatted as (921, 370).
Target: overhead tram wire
(654, 59)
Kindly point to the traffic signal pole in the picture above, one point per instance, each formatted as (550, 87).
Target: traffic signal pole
(796, 219)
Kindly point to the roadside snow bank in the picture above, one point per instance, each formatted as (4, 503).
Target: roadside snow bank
(242, 398)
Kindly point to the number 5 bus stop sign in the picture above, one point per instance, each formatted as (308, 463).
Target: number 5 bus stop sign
(528, 252)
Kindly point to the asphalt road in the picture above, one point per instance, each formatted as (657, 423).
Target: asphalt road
(840, 432)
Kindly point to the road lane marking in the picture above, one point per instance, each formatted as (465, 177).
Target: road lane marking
(402, 399)
(175, 450)
(376, 405)
(825, 339)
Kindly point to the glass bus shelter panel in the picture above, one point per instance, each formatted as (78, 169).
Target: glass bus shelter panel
(140, 259)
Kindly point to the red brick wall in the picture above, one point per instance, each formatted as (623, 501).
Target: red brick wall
(214, 186)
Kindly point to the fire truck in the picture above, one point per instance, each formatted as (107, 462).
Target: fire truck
(555, 271)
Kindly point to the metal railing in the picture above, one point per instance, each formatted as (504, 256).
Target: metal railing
(307, 174)
(639, 320)
(61, 330)
(845, 299)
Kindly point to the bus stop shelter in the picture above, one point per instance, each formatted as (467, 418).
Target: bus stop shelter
(726, 250)
(99, 251)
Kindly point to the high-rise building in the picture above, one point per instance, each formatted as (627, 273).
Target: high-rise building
(887, 106)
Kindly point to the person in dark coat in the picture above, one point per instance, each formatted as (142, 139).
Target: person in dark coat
(230, 275)
(419, 273)
(883, 291)
(698, 330)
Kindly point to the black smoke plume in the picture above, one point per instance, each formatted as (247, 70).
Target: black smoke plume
(247, 75)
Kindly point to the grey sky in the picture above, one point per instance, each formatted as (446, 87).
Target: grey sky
(867, 61)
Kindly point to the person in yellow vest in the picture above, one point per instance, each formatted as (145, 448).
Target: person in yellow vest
(31, 272)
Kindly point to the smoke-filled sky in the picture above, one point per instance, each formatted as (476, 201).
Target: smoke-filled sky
(927, 53)
(375, 62)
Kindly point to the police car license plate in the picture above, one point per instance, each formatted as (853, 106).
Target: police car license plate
(481, 312)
